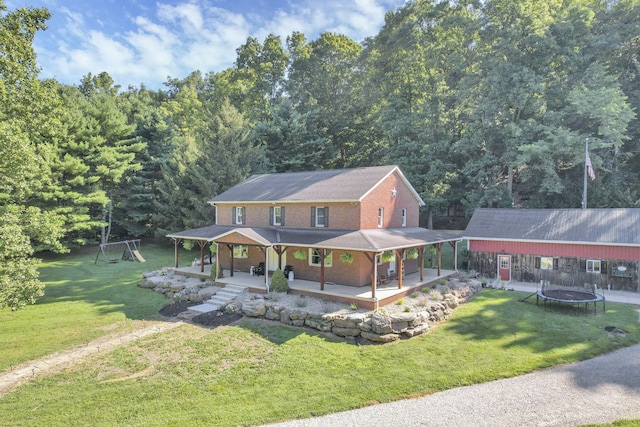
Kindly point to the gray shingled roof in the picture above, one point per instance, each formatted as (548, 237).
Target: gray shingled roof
(357, 240)
(324, 185)
(595, 226)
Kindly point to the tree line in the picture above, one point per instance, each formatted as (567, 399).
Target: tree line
(481, 103)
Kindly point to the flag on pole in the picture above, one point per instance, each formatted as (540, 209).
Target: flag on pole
(590, 172)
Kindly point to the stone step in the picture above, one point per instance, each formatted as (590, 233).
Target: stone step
(204, 308)
(223, 296)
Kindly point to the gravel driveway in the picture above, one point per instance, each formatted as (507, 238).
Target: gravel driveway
(603, 389)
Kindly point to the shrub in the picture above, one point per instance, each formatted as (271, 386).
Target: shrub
(400, 301)
(442, 281)
(279, 282)
(354, 306)
(301, 302)
(407, 309)
(213, 272)
(413, 295)
(435, 295)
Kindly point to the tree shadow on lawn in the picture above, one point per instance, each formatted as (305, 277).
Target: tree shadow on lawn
(109, 287)
(499, 317)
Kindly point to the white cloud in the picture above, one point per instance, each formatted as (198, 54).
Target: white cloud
(176, 39)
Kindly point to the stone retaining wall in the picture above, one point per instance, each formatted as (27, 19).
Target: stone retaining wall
(178, 287)
(380, 326)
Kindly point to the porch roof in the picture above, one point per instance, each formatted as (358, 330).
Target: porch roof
(374, 240)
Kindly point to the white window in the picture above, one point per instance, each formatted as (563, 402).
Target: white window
(593, 266)
(504, 262)
(321, 216)
(314, 258)
(546, 263)
(238, 215)
(404, 217)
(277, 215)
(380, 217)
(240, 251)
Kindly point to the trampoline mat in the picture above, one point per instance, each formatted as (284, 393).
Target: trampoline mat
(569, 295)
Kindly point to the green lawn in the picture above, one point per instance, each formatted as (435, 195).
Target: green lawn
(258, 372)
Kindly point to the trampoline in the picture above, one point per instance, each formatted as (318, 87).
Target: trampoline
(574, 295)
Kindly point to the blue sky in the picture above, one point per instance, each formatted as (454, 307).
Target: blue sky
(146, 41)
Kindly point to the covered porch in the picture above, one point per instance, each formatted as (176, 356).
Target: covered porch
(385, 294)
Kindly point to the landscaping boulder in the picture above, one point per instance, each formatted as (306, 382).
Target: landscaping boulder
(254, 308)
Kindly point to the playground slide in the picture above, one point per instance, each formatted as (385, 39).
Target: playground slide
(138, 256)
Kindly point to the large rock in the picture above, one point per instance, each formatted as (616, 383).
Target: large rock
(154, 282)
(346, 332)
(318, 323)
(254, 308)
(381, 324)
(379, 338)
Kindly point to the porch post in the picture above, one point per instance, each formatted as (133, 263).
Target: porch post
(217, 262)
(231, 262)
(177, 242)
(400, 267)
(421, 262)
(322, 256)
(266, 268)
(374, 272)
(439, 247)
(202, 244)
(454, 244)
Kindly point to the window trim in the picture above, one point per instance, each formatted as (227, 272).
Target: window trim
(380, 217)
(328, 259)
(239, 215)
(244, 251)
(591, 263)
(315, 216)
(273, 215)
(404, 217)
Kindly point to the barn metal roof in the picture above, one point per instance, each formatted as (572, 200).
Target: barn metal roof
(587, 226)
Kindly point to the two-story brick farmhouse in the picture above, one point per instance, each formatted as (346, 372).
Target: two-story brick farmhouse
(356, 227)
(597, 246)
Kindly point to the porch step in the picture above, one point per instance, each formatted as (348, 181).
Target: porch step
(223, 296)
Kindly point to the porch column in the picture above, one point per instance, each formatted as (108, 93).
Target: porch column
(202, 244)
(399, 254)
(279, 250)
(266, 269)
(323, 253)
(231, 262)
(217, 263)
(454, 245)
(421, 262)
(374, 272)
(177, 242)
(439, 248)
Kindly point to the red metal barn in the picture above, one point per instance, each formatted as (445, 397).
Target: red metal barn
(568, 246)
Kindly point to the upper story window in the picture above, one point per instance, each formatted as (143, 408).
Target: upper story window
(239, 215)
(320, 216)
(404, 217)
(240, 251)
(594, 266)
(380, 217)
(276, 215)
(315, 257)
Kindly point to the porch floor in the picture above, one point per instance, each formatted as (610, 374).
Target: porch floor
(385, 294)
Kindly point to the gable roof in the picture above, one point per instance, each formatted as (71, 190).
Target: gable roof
(336, 185)
(587, 226)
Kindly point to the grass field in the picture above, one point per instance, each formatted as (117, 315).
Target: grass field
(257, 372)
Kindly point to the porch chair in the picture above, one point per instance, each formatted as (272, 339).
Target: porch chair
(259, 270)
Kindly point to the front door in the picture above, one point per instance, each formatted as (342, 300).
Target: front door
(504, 267)
(273, 259)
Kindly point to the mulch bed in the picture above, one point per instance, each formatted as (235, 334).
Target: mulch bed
(216, 318)
(175, 308)
(213, 319)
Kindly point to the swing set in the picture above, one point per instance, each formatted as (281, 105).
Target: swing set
(130, 251)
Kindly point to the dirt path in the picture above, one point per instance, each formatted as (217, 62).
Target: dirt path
(56, 362)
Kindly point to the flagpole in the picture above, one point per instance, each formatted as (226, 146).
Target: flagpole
(584, 188)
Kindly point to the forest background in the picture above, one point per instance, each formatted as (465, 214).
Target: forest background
(481, 104)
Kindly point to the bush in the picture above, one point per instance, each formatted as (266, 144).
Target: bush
(278, 282)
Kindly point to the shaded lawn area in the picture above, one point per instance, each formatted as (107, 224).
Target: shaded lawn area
(257, 371)
(82, 302)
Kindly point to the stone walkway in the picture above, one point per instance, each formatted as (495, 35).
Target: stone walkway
(58, 361)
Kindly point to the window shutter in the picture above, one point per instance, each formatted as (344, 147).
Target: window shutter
(326, 216)
(234, 215)
(282, 216)
(313, 216)
(604, 267)
(536, 263)
(271, 215)
(555, 263)
(583, 265)
(244, 215)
